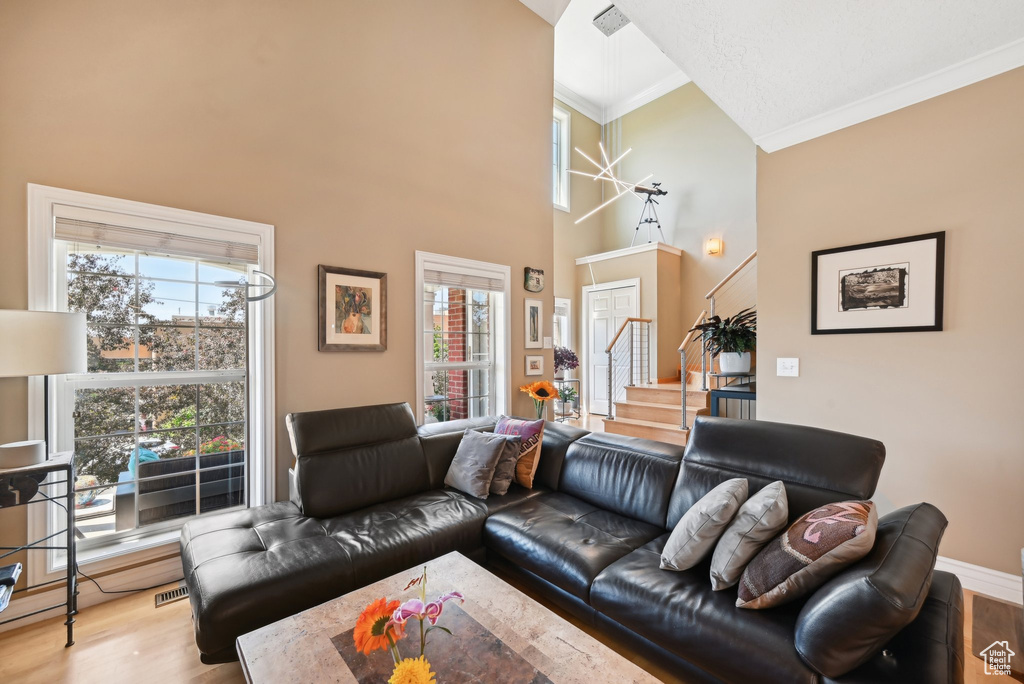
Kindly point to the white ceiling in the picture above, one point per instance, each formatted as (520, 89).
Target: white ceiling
(790, 70)
(606, 76)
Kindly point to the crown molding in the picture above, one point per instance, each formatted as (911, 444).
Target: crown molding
(645, 96)
(985, 65)
(589, 109)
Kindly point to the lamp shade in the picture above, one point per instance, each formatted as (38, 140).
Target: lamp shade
(41, 343)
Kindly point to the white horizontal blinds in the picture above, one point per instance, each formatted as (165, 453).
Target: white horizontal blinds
(154, 241)
(463, 277)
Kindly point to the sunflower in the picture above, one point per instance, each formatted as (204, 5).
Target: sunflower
(373, 626)
(540, 391)
(413, 671)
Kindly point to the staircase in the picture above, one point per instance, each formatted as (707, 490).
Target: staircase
(654, 411)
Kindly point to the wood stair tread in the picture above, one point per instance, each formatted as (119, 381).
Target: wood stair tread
(657, 405)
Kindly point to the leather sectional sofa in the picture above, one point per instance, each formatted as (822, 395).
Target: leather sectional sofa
(367, 501)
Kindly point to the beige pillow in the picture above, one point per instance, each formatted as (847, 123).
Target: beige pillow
(698, 530)
(758, 521)
(814, 548)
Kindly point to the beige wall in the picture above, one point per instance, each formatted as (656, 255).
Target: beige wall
(708, 166)
(362, 131)
(946, 404)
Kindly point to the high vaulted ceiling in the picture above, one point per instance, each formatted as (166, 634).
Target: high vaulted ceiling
(790, 70)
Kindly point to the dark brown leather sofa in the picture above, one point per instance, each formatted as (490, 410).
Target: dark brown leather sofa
(368, 501)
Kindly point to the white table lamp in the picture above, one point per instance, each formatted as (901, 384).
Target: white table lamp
(38, 343)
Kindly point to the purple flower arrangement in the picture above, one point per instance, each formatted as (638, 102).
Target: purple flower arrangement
(566, 359)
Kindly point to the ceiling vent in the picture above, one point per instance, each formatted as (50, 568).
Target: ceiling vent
(610, 20)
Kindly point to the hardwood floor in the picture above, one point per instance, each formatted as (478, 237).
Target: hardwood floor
(128, 640)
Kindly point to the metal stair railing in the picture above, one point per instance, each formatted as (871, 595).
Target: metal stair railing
(629, 359)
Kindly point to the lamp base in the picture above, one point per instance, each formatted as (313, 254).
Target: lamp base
(21, 454)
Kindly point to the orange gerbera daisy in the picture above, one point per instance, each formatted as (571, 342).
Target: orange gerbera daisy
(540, 391)
(374, 624)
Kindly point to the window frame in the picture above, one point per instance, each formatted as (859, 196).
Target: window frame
(45, 205)
(499, 342)
(561, 193)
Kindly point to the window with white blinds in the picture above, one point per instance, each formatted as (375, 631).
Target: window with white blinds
(163, 423)
(462, 361)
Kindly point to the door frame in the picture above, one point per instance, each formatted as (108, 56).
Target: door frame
(585, 327)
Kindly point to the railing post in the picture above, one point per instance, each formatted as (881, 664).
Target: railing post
(647, 328)
(611, 397)
(632, 343)
(682, 375)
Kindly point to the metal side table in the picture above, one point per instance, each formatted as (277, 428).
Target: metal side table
(33, 485)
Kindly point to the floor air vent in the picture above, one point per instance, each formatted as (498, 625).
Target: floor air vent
(165, 597)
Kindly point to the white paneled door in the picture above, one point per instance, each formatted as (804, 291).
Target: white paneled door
(607, 310)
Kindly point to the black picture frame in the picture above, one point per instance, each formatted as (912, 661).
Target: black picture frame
(934, 303)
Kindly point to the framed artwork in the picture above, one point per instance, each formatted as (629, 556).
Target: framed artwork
(888, 286)
(534, 365)
(533, 323)
(533, 279)
(353, 310)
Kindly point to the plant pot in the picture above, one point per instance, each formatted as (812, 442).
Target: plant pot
(560, 374)
(566, 408)
(734, 362)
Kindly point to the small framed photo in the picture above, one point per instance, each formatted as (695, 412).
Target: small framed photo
(533, 322)
(879, 287)
(533, 279)
(534, 365)
(353, 309)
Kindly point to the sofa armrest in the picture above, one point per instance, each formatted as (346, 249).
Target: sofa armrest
(852, 616)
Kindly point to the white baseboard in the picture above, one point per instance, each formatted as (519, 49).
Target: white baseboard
(159, 572)
(1000, 585)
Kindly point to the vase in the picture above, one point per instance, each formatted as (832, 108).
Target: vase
(734, 362)
(560, 374)
(566, 408)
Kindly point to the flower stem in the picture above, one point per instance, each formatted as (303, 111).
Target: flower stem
(423, 638)
(394, 649)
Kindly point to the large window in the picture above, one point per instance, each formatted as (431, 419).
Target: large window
(170, 420)
(560, 136)
(462, 362)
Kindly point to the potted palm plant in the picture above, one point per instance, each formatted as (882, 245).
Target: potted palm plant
(731, 340)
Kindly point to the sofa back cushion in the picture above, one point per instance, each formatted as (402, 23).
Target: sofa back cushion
(817, 466)
(625, 475)
(350, 458)
(557, 439)
(847, 621)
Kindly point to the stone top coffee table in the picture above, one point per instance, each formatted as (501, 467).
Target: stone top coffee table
(499, 634)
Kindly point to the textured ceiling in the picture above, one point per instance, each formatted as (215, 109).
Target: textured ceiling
(606, 76)
(787, 70)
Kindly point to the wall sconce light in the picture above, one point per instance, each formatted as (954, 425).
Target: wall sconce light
(714, 247)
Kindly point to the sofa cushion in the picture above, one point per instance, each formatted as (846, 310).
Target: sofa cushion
(564, 540)
(698, 531)
(626, 475)
(248, 568)
(473, 467)
(814, 548)
(679, 612)
(346, 459)
(531, 435)
(441, 440)
(818, 466)
(757, 522)
(881, 594)
(505, 470)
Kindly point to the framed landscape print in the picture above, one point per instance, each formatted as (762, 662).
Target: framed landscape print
(353, 310)
(534, 365)
(888, 286)
(533, 322)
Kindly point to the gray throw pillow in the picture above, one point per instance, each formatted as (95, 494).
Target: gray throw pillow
(698, 530)
(505, 471)
(758, 521)
(472, 469)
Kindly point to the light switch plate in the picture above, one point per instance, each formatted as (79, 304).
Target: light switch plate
(547, 343)
(787, 368)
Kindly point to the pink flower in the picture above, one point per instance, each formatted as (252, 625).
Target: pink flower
(415, 608)
(433, 609)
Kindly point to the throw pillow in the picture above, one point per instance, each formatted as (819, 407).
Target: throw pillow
(531, 432)
(758, 521)
(472, 469)
(698, 530)
(505, 471)
(814, 548)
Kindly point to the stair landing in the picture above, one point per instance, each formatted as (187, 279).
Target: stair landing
(654, 412)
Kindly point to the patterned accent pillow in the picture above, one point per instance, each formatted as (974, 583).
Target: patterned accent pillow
(814, 548)
(531, 432)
